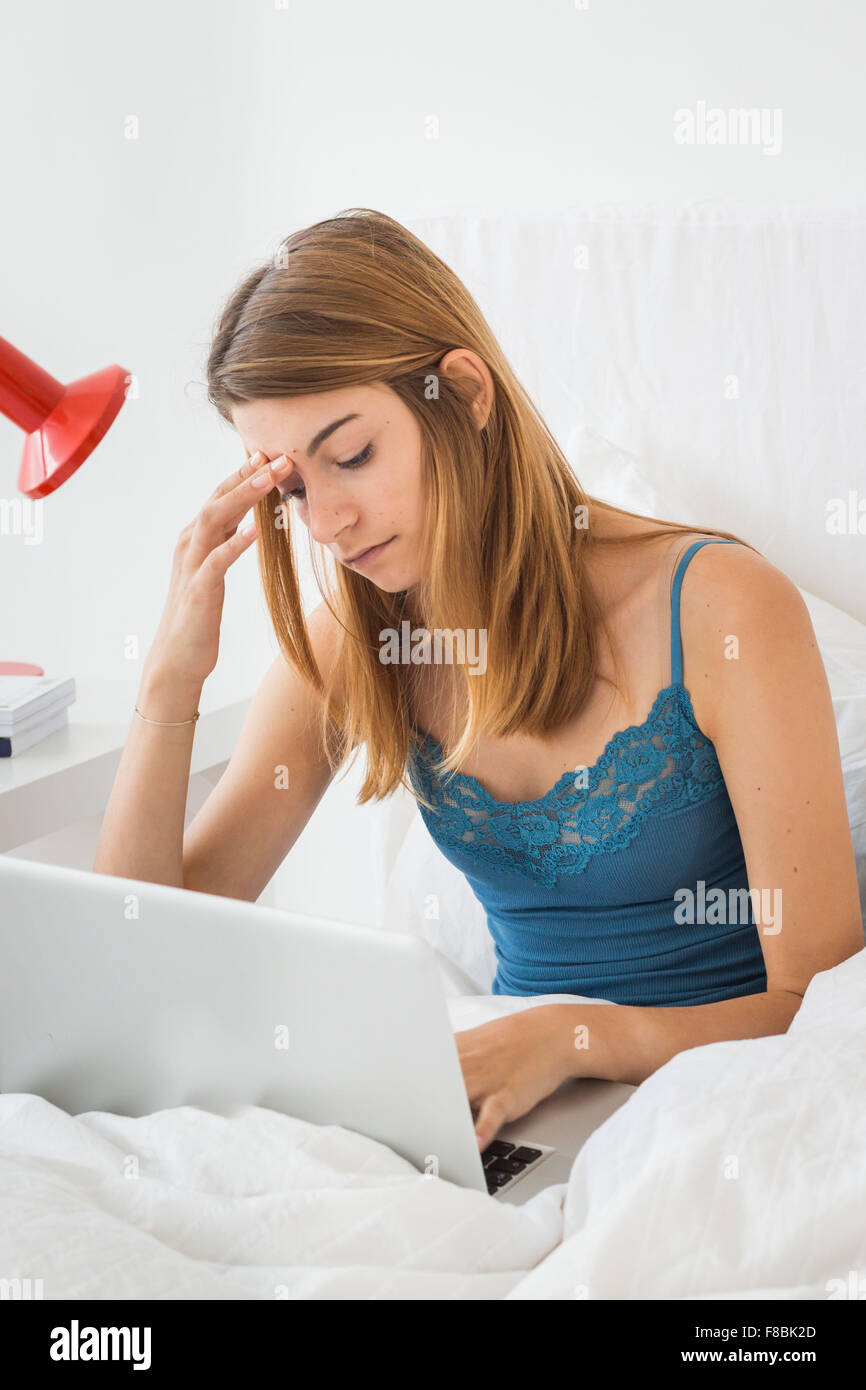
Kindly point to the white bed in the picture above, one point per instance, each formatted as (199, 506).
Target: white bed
(758, 1193)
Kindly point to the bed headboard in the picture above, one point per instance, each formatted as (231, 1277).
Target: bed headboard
(721, 343)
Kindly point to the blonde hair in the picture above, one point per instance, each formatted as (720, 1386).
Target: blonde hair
(358, 299)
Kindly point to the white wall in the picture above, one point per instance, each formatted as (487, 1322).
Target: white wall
(255, 119)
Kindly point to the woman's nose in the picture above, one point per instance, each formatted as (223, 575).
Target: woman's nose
(328, 518)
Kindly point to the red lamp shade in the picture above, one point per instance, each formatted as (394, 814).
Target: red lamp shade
(63, 423)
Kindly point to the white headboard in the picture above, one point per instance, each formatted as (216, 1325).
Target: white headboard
(720, 343)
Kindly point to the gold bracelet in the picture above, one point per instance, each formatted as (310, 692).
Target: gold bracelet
(167, 723)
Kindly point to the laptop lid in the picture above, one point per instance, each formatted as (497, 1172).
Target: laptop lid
(130, 997)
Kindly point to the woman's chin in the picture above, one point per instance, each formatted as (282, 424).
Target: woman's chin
(393, 579)
(388, 586)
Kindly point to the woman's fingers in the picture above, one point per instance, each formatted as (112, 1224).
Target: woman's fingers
(222, 556)
(256, 466)
(219, 517)
(254, 485)
(492, 1115)
(238, 476)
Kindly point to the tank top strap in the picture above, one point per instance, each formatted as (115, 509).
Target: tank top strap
(676, 638)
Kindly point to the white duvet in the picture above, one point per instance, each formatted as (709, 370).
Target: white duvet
(737, 1170)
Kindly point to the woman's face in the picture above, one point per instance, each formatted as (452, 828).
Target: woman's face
(356, 481)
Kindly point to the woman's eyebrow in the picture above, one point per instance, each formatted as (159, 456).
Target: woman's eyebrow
(328, 430)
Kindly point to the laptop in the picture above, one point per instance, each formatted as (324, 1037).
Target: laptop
(132, 997)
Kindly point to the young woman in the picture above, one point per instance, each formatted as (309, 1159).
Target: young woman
(651, 736)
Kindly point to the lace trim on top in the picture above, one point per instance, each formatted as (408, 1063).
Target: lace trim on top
(654, 768)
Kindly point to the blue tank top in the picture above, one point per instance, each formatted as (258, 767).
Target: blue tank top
(579, 886)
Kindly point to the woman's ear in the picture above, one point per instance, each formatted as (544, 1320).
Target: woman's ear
(466, 364)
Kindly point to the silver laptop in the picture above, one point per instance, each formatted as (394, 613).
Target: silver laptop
(131, 997)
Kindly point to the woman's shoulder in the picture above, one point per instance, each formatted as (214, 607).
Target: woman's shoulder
(623, 574)
(658, 548)
(731, 605)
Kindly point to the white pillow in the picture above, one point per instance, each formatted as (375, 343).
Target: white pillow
(842, 644)
(427, 896)
(612, 474)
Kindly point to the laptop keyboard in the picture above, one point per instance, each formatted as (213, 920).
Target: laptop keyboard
(505, 1163)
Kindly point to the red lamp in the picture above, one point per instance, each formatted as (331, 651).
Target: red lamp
(63, 423)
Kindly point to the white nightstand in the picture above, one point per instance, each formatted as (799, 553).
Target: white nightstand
(53, 795)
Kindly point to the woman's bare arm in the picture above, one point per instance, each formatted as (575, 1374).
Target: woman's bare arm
(275, 780)
(273, 783)
(142, 828)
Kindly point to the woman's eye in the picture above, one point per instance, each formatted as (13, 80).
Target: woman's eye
(356, 462)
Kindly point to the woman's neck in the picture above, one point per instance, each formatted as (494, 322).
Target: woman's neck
(410, 607)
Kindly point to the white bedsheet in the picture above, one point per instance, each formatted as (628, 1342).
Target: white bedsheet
(261, 1205)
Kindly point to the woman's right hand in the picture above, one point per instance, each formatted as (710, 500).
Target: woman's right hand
(187, 639)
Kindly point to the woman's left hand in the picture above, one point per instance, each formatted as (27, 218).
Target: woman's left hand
(510, 1064)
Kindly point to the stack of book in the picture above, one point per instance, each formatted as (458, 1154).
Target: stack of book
(31, 708)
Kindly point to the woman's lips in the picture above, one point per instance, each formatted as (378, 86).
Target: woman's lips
(370, 555)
